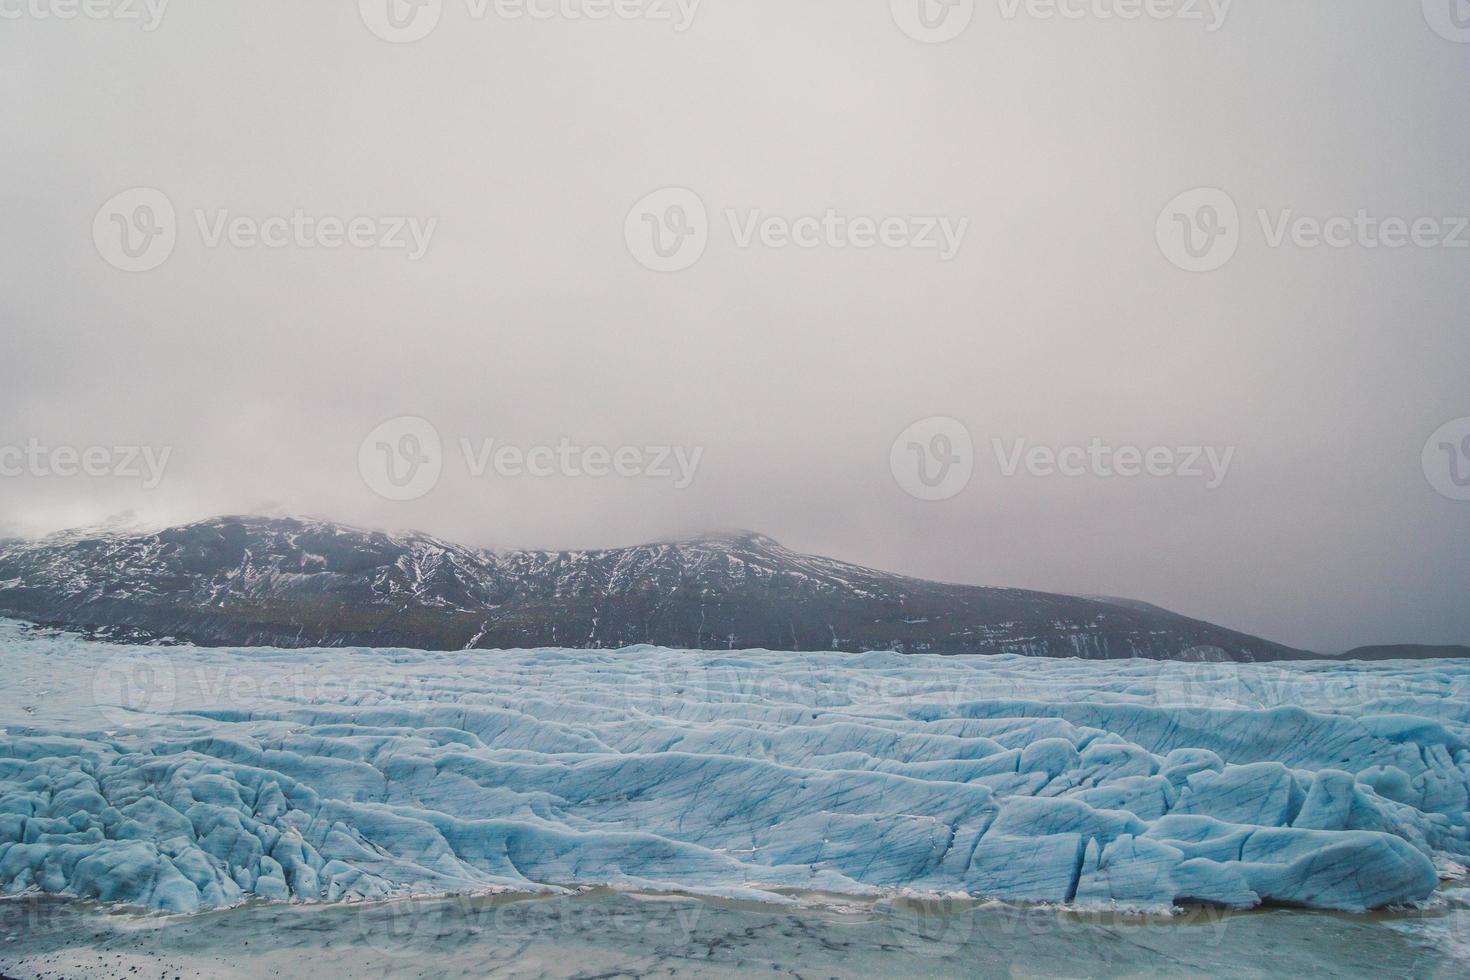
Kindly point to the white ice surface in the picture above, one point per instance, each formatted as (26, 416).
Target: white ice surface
(183, 778)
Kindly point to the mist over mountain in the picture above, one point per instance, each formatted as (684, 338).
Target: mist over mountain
(236, 581)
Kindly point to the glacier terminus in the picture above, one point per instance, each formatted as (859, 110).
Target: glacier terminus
(182, 778)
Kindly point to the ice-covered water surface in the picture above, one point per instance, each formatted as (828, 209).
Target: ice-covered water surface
(183, 779)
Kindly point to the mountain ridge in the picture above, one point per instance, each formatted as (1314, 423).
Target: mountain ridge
(293, 582)
(1408, 651)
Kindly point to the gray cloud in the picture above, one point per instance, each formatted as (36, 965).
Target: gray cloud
(1059, 321)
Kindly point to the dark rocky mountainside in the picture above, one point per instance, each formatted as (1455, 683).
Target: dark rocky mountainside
(286, 582)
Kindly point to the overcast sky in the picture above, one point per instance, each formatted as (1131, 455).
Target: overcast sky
(1055, 315)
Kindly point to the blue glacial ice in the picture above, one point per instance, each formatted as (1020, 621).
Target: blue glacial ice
(182, 779)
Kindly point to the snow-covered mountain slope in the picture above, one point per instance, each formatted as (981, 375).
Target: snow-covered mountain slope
(186, 778)
(288, 582)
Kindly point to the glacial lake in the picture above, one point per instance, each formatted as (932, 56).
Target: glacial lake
(606, 934)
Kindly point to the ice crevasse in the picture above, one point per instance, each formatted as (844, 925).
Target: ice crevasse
(182, 779)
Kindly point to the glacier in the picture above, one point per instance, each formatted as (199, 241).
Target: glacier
(181, 779)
